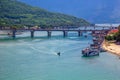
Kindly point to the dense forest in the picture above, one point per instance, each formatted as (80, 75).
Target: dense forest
(15, 13)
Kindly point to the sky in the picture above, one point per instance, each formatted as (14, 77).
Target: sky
(95, 11)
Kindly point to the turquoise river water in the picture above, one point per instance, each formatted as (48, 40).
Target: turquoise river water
(36, 59)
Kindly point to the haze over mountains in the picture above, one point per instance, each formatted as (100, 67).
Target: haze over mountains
(95, 11)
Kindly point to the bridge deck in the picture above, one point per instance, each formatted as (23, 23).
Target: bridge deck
(53, 30)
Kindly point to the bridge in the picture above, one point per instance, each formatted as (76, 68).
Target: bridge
(49, 31)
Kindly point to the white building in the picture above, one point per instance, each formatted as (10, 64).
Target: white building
(109, 25)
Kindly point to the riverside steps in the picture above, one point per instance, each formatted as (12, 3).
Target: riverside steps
(49, 31)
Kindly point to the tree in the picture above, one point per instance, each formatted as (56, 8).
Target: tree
(109, 37)
(118, 34)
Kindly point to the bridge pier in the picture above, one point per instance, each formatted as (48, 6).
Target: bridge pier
(79, 33)
(93, 32)
(32, 34)
(49, 33)
(13, 34)
(94, 27)
(65, 33)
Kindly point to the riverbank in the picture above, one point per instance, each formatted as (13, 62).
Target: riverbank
(9, 33)
(111, 47)
(4, 32)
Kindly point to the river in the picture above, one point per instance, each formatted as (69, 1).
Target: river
(36, 59)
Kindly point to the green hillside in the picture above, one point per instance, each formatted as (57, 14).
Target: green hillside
(15, 13)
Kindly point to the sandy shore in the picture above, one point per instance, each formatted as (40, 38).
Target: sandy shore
(111, 47)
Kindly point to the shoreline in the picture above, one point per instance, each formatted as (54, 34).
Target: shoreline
(4, 32)
(9, 33)
(111, 47)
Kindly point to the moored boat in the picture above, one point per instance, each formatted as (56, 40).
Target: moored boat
(90, 52)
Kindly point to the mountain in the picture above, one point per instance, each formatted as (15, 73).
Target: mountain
(15, 13)
(95, 11)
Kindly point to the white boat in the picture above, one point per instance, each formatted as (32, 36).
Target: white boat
(89, 52)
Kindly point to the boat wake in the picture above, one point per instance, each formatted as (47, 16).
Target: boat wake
(72, 49)
(38, 50)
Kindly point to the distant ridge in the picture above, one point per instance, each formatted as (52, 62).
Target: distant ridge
(15, 13)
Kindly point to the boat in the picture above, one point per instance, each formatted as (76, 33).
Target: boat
(90, 52)
(94, 46)
(58, 53)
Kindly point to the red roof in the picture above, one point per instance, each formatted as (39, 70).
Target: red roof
(114, 31)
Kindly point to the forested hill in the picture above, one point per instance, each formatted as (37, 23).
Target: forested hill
(15, 13)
